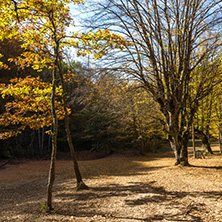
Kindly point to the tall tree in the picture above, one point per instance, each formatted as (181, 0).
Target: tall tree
(173, 41)
(41, 26)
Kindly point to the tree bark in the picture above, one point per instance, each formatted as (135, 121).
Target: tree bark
(51, 176)
(175, 147)
(80, 184)
(184, 150)
(178, 136)
(193, 141)
(205, 141)
(179, 143)
(220, 137)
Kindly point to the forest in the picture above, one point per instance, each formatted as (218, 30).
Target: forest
(115, 89)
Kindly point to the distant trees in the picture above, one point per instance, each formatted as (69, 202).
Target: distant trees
(208, 117)
(108, 112)
(175, 55)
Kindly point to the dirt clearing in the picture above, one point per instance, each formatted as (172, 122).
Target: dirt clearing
(122, 188)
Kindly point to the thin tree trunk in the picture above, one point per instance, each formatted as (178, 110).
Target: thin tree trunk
(51, 176)
(80, 184)
(32, 140)
(49, 140)
(40, 139)
(42, 142)
(220, 137)
(193, 140)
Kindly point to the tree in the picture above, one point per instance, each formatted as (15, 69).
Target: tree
(41, 27)
(173, 41)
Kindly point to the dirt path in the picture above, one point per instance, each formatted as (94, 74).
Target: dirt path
(122, 188)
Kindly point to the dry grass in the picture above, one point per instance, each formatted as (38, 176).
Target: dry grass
(122, 188)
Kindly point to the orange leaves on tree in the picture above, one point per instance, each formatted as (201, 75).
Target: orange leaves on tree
(40, 25)
(30, 105)
(69, 77)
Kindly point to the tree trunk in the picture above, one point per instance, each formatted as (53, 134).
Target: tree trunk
(205, 141)
(179, 146)
(193, 140)
(175, 147)
(41, 140)
(184, 150)
(49, 141)
(51, 177)
(220, 137)
(80, 184)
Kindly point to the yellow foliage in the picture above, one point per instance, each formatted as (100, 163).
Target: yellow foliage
(30, 106)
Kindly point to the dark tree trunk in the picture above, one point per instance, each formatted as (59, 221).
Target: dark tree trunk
(51, 177)
(80, 184)
(41, 140)
(178, 140)
(179, 145)
(184, 150)
(205, 140)
(193, 140)
(220, 137)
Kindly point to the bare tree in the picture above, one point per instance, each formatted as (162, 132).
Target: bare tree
(174, 54)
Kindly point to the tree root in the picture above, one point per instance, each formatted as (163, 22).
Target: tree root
(81, 186)
(181, 163)
(177, 163)
(184, 163)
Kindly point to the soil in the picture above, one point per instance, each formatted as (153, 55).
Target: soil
(122, 188)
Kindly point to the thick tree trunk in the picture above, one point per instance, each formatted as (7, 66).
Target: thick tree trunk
(184, 151)
(174, 143)
(179, 147)
(177, 135)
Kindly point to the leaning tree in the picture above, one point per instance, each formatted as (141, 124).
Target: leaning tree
(174, 54)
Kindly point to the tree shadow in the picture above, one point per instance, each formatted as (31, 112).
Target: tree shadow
(150, 194)
(132, 194)
(207, 167)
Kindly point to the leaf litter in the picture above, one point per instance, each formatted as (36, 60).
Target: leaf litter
(122, 188)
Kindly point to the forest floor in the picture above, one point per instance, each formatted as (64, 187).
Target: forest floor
(122, 188)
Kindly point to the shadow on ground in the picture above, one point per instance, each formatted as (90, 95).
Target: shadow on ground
(152, 202)
(151, 194)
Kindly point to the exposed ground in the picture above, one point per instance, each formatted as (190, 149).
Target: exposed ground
(122, 188)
